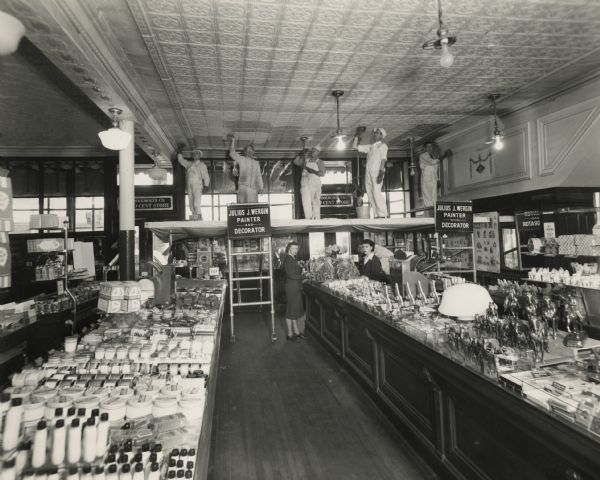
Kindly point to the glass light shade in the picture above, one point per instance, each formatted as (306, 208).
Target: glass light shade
(11, 32)
(114, 138)
(498, 142)
(446, 59)
(340, 145)
(157, 173)
(464, 301)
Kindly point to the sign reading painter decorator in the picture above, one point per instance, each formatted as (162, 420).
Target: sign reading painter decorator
(530, 220)
(248, 220)
(162, 202)
(454, 217)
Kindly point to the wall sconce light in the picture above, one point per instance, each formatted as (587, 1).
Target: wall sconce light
(114, 138)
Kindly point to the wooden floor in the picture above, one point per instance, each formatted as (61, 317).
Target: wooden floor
(288, 411)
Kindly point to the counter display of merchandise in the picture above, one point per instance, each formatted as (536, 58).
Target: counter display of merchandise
(484, 399)
(136, 393)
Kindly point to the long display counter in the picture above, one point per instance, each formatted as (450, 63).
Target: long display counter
(465, 423)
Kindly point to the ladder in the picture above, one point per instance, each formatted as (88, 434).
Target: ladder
(235, 282)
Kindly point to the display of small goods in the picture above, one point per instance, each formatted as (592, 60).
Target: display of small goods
(84, 292)
(521, 339)
(331, 267)
(585, 275)
(570, 390)
(126, 400)
(51, 269)
(456, 250)
(487, 243)
(15, 315)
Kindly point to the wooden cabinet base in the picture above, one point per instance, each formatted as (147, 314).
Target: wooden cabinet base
(466, 425)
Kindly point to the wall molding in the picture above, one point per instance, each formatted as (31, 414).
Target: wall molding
(523, 173)
(73, 151)
(548, 165)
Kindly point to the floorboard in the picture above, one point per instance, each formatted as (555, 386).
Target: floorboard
(287, 410)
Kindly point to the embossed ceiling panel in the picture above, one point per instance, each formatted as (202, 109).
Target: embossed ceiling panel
(264, 69)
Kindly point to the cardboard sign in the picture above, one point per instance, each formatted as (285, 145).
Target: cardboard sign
(246, 220)
(531, 220)
(336, 200)
(454, 217)
(549, 230)
(162, 202)
(213, 271)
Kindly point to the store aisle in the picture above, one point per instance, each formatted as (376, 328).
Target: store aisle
(288, 411)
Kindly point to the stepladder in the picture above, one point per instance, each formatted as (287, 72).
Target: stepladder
(243, 283)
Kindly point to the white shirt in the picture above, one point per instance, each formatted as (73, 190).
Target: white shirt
(376, 153)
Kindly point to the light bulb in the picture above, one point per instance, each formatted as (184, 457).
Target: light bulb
(340, 143)
(11, 32)
(498, 142)
(446, 59)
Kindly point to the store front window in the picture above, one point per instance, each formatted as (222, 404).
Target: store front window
(89, 214)
(23, 208)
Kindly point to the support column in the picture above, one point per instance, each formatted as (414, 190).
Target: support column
(127, 206)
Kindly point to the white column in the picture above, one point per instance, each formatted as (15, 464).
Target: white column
(126, 182)
(127, 206)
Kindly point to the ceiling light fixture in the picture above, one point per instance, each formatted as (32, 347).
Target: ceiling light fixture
(412, 166)
(11, 32)
(157, 173)
(443, 42)
(497, 136)
(114, 138)
(340, 145)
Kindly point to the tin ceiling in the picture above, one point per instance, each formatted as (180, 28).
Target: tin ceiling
(195, 70)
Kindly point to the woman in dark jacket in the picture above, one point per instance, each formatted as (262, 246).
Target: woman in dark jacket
(294, 311)
(371, 266)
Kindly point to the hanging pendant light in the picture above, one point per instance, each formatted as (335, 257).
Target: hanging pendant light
(498, 135)
(442, 42)
(340, 144)
(412, 166)
(157, 173)
(114, 138)
(11, 32)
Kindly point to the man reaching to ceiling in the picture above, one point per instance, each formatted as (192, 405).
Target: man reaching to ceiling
(376, 158)
(196, 178)
(429, 163)
(247, 169)
(313, 169)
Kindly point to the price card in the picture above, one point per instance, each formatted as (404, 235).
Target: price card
(213, 271)
(60, 287)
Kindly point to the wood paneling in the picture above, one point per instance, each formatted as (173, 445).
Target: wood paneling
(465, 424)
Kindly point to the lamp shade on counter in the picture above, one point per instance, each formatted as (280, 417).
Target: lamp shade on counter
(464, 301)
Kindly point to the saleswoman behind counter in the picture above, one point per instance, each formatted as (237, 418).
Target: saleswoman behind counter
(370, 266)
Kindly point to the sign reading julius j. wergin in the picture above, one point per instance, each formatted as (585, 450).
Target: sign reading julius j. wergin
(454, 217)
(530, 220)
(248, 220)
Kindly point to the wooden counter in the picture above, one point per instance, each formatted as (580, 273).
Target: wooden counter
(467, 426)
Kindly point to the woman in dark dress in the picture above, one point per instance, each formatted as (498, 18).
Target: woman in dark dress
(294, 311)
(371, 266)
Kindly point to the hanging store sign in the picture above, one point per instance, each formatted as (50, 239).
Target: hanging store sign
(529, 220)
(336, 200)
(162, 202)
(248, 220)
(454, 217)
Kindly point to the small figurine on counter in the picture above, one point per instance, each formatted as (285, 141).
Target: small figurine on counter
(511, 304)
(574, 323)
(549, 316)
(531, 311)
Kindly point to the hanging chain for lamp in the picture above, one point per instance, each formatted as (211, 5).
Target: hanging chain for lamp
(412, 167)
(443, 41)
